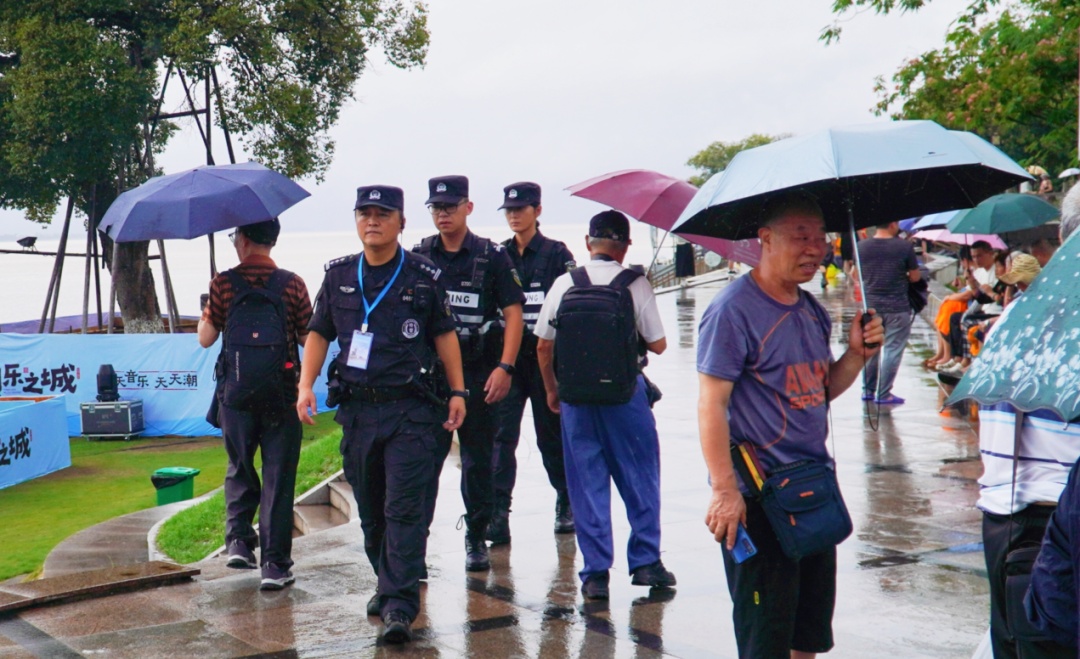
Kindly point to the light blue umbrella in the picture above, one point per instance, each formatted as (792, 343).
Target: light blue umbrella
(935, 220)
(862, 175)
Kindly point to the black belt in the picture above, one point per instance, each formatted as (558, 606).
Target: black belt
(381, 394)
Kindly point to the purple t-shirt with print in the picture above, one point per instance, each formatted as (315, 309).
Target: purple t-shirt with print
(778, 356)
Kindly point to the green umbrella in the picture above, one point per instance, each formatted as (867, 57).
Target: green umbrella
(1004, 213)
(1032, 357)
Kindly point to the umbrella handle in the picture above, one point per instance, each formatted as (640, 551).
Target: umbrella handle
(866, 318)
(867, 314)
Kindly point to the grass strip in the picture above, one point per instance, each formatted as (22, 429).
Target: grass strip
(191, 534)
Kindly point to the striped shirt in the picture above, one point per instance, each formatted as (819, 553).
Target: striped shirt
(1048, 449)
(256, 270)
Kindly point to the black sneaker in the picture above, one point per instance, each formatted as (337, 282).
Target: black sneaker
(374, 606)
(498, 531)
(476, 554)
(595, 586)
(398, 627)
(275, 578)
(654, 575)
(241, 557)
(564, 514)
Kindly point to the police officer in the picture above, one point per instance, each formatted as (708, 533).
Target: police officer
(539, 261)
(481, 282)
(389, 323)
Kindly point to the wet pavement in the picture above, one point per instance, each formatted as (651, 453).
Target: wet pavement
(911, 580)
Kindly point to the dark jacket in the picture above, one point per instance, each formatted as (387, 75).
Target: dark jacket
(1051, 602)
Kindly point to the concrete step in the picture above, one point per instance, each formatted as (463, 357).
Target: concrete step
(312, 518)
(341, 497)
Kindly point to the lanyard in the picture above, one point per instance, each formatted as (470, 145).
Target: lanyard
(368, 308)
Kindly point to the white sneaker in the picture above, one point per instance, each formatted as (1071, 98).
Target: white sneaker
(947, 366)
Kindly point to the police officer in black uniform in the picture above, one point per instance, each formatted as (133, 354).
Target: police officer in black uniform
(539, 261)
(480, 283)
(389, 323)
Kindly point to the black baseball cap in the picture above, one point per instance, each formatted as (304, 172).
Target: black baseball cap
(383, 196)
(262, 233)
(612, 225)
(448, 190)
(519, 195)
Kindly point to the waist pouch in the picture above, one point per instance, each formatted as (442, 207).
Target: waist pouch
(1018, 566)
(803, 505)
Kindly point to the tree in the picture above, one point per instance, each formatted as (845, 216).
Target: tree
(80, 79)
(1007, 72)
(715, 157)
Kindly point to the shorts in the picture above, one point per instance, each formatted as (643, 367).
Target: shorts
(780, 604)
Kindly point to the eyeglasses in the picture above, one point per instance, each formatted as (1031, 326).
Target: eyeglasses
(444, 208)
(232, 237)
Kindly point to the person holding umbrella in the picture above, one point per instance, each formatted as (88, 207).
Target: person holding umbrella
(766, 376)
(266, 425)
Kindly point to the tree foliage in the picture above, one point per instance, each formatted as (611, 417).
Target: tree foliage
(78, 79)
(715, 157)
(1007, 71)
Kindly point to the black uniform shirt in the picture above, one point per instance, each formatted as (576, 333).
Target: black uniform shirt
(474, 302)
(539, 265)
(403, 325)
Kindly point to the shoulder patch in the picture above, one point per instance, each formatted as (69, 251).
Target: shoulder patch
(340, 261)
(498, 246)
(570, 265)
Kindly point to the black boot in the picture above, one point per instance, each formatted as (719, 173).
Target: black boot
(498, 531)
(476, 553)
(564, 515)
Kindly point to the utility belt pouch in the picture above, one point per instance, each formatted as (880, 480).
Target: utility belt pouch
(801, 500)
(1018, 565)
(337, 392)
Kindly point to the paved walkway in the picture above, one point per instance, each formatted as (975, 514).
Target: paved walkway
(911, 580)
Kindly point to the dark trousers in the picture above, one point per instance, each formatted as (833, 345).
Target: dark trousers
(387, 452)
(277, 437)
(476, 439)
(527, 385)
(957, 337)
(1001, 535)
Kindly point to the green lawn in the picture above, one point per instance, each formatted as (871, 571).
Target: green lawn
(106, 479)
(192, 534)
(111, 478)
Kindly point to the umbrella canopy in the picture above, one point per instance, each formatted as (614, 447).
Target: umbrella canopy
(200, 201)
(657, 199)
(871, 174)
(1032, 358)
(1072, 171)
(908, 225)
(935, 220)
(1003, 213)
(945, 236)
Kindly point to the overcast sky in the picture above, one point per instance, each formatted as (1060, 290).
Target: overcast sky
(558, 91)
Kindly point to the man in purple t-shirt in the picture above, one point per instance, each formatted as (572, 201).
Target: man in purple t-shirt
(766, 376)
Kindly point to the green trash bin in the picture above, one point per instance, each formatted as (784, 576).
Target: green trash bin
(174, 484)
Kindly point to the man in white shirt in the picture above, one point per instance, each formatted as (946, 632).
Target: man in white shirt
(612, 441)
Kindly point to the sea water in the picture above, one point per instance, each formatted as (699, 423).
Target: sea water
(25, 278)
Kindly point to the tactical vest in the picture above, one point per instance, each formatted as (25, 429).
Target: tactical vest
(539, 283)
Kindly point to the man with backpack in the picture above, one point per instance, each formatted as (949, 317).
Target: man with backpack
(481, 284)
(589, 332)
(263, 312)
(539, 260)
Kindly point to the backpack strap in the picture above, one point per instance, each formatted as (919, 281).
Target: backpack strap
(278, 281)
(581, 277)
(623, 279)
(237, 280)
(425, 247)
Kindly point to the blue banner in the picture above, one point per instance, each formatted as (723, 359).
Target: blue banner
(170, 373)
(33, 438)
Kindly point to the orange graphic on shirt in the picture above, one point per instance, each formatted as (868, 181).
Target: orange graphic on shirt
(805, 384)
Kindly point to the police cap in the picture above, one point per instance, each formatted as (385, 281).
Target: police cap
(448, 190)
(519, 195)
(383, 196)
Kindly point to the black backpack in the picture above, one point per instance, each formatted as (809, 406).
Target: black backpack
(255, 347)
(596, 347)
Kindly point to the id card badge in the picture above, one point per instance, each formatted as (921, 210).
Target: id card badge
(360, 349)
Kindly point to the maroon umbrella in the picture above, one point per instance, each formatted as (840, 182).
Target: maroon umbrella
(658, 200)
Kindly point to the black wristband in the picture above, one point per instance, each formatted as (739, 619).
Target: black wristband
(463, 393)
(509, 368)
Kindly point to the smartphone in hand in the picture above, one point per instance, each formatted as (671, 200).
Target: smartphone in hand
(744, 547)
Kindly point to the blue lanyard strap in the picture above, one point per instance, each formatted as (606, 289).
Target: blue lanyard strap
(368, 308)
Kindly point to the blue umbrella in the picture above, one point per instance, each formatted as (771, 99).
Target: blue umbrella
(906, 225)
(935, 220)
(861, 175)
(200, 201)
